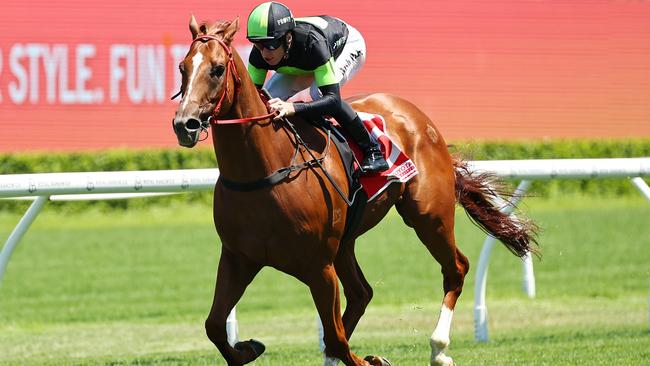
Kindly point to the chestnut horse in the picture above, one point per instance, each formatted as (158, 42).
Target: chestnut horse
(297, 225)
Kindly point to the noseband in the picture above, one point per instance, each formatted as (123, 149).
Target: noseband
(230, 69)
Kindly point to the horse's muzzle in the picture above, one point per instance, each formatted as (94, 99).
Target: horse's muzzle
(187, 131)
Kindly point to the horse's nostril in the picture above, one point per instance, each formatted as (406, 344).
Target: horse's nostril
(192, 124)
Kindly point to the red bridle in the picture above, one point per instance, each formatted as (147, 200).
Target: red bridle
(230, 69)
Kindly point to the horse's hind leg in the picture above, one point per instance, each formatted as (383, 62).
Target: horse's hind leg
(453, 286)
(433, 222)
(233, 276)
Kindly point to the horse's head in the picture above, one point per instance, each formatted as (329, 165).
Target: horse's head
(206, 72)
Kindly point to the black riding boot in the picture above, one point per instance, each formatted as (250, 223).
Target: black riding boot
(373, 159)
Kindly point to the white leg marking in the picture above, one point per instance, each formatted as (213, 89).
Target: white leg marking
(441, 334)
(331, 361)
(196, 63)
(440, 338)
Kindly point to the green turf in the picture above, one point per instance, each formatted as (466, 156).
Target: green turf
(133, 288)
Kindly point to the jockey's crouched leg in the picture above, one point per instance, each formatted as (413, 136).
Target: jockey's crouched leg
(373, 159)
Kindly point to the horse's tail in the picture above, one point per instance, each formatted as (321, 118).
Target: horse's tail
(477, 193)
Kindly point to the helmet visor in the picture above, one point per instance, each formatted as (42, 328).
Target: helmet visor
(271, 44)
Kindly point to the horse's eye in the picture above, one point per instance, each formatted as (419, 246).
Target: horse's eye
(217, 71)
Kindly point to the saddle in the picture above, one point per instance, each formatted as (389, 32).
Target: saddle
(401, 168)
(367, 187)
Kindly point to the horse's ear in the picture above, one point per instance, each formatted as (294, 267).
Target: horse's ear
(229, 33)
(194, 27)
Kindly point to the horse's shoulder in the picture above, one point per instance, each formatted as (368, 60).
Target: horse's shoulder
(312, 135)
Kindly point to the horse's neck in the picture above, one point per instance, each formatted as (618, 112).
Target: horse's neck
(249, 151)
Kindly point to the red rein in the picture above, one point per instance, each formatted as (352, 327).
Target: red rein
(230, 68)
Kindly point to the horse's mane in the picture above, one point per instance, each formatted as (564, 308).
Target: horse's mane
(217, 27)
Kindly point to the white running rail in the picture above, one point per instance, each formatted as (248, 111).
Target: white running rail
(527, 171)
(125, 184)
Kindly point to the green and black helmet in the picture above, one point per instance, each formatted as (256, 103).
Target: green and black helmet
(269, 21)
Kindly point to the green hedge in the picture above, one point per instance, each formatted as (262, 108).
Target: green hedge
(108, 160)
(554, 149)
(113, 160)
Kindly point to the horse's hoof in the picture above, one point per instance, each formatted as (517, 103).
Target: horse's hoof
(377, 361)
(255, 347)
(442, 360)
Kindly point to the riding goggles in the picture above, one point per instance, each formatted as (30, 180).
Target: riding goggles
(271, 44)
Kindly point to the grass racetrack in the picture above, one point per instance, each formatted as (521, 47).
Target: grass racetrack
(134, 287)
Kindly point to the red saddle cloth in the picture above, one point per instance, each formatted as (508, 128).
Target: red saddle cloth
(400, 167)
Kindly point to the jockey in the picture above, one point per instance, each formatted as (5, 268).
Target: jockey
(313, 57)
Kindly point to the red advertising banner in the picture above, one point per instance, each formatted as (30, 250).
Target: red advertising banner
(79, 75)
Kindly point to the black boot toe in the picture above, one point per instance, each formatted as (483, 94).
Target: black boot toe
(374, 162)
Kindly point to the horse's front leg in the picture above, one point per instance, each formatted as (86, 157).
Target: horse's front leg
(324, 287)
(358, 291)
(233, 276)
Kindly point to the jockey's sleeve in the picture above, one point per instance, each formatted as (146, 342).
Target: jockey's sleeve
(257, 75)
(325, 74)
(329, 104)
